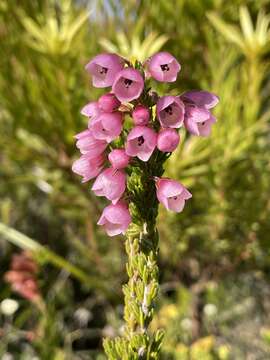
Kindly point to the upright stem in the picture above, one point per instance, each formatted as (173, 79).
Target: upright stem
(142, 250)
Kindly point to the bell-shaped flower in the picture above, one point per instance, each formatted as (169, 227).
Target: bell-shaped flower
(201, 98)
(141, 115)
(198, 118)
(172, 194)
(115, 218)
(163, 67)
(106, 126)
(118, 158)
(128, 85)
(108, 102)
(141, 142)
(88, 144)
(168, 140)
(104, 68)
(88, 167)
(111, 183)
(170, 111)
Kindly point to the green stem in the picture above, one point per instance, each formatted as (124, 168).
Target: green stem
(142, 288)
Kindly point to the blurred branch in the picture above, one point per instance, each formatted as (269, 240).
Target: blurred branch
(24, 242)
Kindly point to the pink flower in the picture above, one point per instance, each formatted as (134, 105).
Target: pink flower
(198, 118)
(104, 68)
(168, 140)
(163, 67)
(141, 142)
(111, 183)
(91, 109)
(88, 144)
(170, 111)
(128, 84)
(108, 102)
(88, 167)
(140, 115)
(115, 218)
(106, 126)
(201, 98)
(118, 158)
(172, 194)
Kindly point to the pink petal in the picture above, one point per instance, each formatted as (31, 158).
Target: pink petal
(176, 204)
(88, 168)
(163, 67)
(141, 115)
(110, 183)
(91, 109)
(168, 140)
(191, 126)
(205, 128)
(170, 111)
(115, 218)
(108, 102)
(107, 126)
(143, 150)
(104, 68)
(201, 98)
(118, 158)
(197, 114)
(128, 84)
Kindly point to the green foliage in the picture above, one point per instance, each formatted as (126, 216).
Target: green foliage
(214, 253)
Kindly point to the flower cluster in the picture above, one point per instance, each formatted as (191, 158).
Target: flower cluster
(22, 276)
(129, 124)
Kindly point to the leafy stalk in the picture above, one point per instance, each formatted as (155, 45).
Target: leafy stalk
(142, 268)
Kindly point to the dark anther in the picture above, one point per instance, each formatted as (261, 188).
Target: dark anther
(203, 123)
(127, 82)
(165, 67)
(140, 140)
(103, 70)
(175, 198)
(169, 110)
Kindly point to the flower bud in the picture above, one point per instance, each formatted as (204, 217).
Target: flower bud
(108, 102)
(168, 140)
(141, 115)
(118, 158)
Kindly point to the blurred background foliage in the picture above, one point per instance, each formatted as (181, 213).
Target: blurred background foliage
(214, 257)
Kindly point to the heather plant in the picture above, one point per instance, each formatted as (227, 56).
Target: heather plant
(214, 256)
(133, 130)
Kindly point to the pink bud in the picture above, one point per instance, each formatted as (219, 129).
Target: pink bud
(128, 84)
(106, 126)
(88, 167)
(168, 140)
(172, 194)
(141, 142)
(111, 183)
(140, 115)
(198, 118)
(89, 145)
(115, 218)
(163, 67)
(170, 111)
(118, 158)
(104, 68)
(108, 102)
